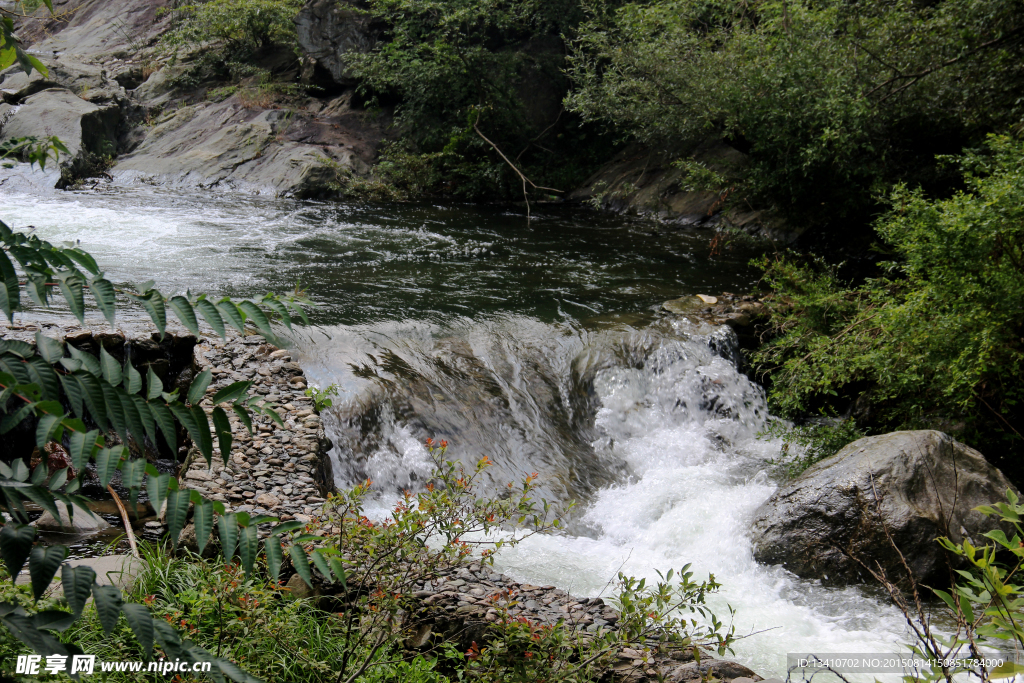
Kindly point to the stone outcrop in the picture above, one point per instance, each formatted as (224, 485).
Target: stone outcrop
(645, 182)
(113, 96)
(912, 487)
(327, 29)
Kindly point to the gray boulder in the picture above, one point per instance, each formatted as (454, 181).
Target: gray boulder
(88, 130)
(912, 486)
(84, 522)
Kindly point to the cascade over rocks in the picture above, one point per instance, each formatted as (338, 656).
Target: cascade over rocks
(914, 486)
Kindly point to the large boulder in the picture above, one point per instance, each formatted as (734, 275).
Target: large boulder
(84, 521)
(82, 126)
(912, 487)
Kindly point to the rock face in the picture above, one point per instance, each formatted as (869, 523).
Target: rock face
(328, 29)
(112, 96)
(644, 182)
(917, 485)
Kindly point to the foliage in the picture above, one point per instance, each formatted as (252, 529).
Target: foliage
(833, 101)
(805, 445)
(239, 25)
(231, 37)
(322, 397)
(11, 51)
(467, 71)
(940, 336)
(982, 611)
(243, 618)
(103, 396)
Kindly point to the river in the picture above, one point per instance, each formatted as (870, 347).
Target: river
(539, 344)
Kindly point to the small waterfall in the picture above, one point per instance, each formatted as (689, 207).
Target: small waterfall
(651, 429)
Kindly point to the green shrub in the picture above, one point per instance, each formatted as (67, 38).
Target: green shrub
(241, 25)
(805, 445)
(936, 341)
(459, 70)
(833, 101)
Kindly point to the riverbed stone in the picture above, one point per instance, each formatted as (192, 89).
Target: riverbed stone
(83, 522)
(912, 486)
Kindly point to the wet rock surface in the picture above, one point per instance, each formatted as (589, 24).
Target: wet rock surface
(912, 486)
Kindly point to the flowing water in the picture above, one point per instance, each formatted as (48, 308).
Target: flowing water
(538, 344)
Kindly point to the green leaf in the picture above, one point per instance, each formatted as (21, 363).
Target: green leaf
(41, 642)
(301, 564)
(92, 393)
(259, 317)
(74, 393)
(10, 290)
(106, 300)
(272, 546)
(83, 259)
(153, 304)
(228, 527)
(132, 378)
(177, 510)
(203, 519)
(162, 414)
(223, 429)
(74, 293)
(43, 564)
(279, 308)
(131, 415)
(285, 527)
(50, 349)
(156, 488)
(108, 606)
(141, 623)
(15, 545)
(243, 415)
(47, 427)
(248, 546)
(107, 461)
(183, 309)
(80, 447)
(232, 314)
(53, 620)
(231, 393)
(197, 389)
(88, 361)
(154, 387)
(339, 572)
(209, 312)
(12, 420)
(321, 563)
(77, 584)
(203, 437)
(110, 368)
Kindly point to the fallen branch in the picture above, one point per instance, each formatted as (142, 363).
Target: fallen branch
(124, 518)
(514, 168)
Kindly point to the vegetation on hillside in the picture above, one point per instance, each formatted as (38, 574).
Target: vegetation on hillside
(834, 102)
(937, 340)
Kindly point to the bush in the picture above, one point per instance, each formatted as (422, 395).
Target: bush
(244, 26)
(833, 101)
(460, 70)
(938, 340)
(805, 445)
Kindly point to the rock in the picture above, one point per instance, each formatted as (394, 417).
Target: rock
(684, 305)
(299, 589)
(328, 29)
(84, 522)
(189, 541)
(111, 570)
(919, 485)
(267, 500)
(83, 127)
(708, 299)
(723, 670)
